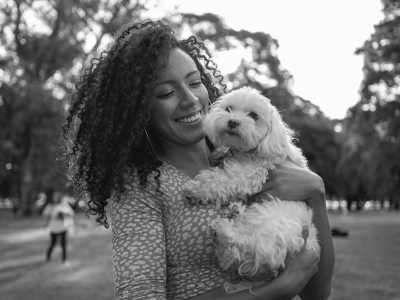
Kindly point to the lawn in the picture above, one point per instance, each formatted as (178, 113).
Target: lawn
(367, 262)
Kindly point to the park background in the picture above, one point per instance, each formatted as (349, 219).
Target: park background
(45, 43)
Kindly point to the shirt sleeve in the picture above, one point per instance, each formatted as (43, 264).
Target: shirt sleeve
(139, 259)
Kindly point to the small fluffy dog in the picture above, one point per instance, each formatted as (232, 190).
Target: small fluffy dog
(252, 239)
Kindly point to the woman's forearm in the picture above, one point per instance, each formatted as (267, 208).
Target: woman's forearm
(271, 291)
(319, 286)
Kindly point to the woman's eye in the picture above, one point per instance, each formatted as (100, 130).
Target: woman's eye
(165, 94)
(228, 108)
(195, 83)
(253, 115)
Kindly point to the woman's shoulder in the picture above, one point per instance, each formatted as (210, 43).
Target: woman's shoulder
(166, 178)
(164, 183)
(135, 198)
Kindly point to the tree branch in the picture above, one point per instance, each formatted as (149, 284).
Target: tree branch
(45, 51)
(17, 31)
(56, 28)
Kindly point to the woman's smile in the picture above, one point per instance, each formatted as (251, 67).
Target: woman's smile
(193, 118)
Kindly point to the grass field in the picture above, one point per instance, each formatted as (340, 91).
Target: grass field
(367, 262)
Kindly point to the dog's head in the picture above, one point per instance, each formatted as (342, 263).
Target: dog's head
(238, 119)
(246, 120)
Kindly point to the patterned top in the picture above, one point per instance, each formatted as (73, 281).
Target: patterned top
(162, 247)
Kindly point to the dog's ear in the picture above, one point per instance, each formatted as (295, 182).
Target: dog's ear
(296, 155)
(276, 145)
(209, 122)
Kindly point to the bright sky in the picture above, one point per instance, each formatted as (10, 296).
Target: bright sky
(317, 40)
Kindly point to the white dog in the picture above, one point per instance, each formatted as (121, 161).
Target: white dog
(246, 123)
(254, 239)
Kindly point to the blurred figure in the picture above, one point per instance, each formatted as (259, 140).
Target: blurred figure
(60, 220)
(15, 206)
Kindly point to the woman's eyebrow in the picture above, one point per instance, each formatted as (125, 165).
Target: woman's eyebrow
(172, 81)
(192, 73)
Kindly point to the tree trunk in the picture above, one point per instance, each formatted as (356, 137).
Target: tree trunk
(26, 187)
(394, 202)
(382, 201)
(26, 174)
(349, 202)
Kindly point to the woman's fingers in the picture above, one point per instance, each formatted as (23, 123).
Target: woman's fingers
(269, 185)
(304, 233)
(314, 256)
(291, 183)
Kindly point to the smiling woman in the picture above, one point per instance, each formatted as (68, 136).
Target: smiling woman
(179, 101)
(137, 137)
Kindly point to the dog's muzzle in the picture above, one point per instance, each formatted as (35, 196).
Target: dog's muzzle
(232, 124)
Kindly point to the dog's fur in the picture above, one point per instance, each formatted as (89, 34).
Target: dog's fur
(255, 243)
(257, 146)
(258, 239)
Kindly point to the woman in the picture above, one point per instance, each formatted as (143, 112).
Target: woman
(59, 216)
(137, 138)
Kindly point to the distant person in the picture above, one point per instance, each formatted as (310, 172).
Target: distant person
(59, 221)
(15, 207)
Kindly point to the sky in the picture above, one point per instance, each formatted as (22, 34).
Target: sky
(317, 40)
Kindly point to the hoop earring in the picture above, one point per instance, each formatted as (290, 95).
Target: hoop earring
(149, 141)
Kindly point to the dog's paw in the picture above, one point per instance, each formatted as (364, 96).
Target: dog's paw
(193, 197)
(218, 155)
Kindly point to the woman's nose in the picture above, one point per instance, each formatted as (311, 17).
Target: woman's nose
(188, 97)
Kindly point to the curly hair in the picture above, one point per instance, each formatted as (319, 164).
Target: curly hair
(109, 111)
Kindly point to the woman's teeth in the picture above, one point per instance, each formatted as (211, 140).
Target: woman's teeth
(190, 119)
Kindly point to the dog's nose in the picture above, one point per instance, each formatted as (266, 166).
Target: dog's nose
(233, 124)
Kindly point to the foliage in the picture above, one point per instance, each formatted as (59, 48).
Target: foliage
(371, 143)
(44, 43)
(264, 71)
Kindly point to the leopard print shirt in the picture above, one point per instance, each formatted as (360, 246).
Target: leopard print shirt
(162, 247)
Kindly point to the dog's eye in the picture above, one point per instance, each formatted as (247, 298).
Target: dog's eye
(253, 115)
(228, 108)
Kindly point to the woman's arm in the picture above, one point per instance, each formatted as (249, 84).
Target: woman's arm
(272, 291)
(319, 287)
(286, 286)
(297, 184)
(139, 258)
(47, 215)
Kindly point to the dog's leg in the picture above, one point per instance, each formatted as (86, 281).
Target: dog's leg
(237, 180)
(211, 186)
(248, 175)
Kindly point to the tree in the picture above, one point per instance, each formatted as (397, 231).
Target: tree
(44, 43)
(264, 71)
(372, 126)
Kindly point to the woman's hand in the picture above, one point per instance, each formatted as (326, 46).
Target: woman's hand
(297, 273)
(297, 184)
(299, 269)
(294, 183)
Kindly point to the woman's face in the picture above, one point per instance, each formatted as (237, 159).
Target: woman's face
(179, 100)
